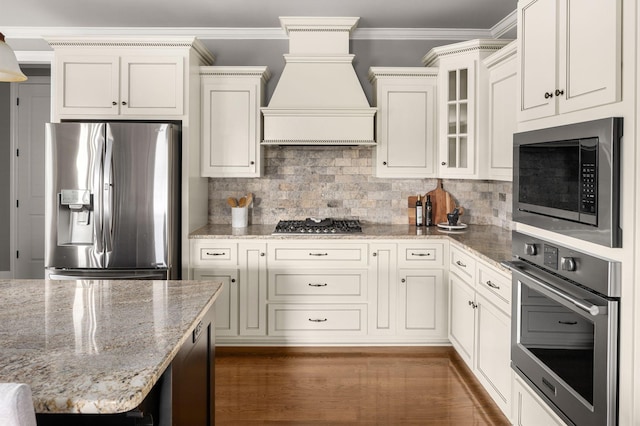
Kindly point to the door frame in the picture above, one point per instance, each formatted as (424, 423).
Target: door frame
(13, 190)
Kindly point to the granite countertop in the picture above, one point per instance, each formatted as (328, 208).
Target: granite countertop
(488, 242)
(95, 346)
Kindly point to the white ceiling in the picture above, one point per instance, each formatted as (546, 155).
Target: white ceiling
(22, 20)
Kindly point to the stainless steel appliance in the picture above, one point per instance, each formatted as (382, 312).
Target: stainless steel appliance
(565, 328)
(112, 200)
(315, 226)
(567, 179)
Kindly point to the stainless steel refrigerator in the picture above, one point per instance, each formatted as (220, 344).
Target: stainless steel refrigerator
(112, 200)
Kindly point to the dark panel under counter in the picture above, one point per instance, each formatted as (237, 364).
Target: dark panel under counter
(488, 242)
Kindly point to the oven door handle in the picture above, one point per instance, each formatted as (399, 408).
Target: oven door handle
(590, 308)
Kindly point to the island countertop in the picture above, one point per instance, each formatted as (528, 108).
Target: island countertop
(95, 346)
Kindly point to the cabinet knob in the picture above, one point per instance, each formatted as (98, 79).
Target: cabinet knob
(263, 254)
(384, 163)
(233, 280)
(252, 163)
(375, 254)
(548, 95)
(124, 103)
(444, 163)
(403, 280)
(559, 92)
(114, 103)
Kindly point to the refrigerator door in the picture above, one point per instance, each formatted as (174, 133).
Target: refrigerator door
(140, 195)
(105, 274)
(74, 153)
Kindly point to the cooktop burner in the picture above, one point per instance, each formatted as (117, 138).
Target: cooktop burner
(318, 226)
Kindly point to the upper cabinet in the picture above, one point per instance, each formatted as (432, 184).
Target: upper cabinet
(231, 121)
(570, 56)
(130, 79)
(463, 106)
(502, 121)
(406, 121)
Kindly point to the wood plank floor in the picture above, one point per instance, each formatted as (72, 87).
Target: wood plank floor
(349, 386)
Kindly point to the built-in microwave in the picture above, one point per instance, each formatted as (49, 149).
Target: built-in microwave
(566, 179)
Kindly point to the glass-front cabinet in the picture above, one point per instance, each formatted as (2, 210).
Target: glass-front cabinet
(463, 105)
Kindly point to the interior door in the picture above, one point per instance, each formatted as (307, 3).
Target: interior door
(32, 108)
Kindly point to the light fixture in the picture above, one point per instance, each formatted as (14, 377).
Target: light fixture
(9, 69)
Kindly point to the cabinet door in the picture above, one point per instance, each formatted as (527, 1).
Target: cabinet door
(382, 286)
(230, 129)
(537, 37)
(529, 409)
(406, 138)
(457, 134)
(588, 79)
(253, 289)
(493, 352)
(226, 306)
(87, 85)
(462, 318)
(422, 303)
(152, 85)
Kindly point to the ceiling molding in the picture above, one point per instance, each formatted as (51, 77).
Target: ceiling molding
(34, 56)
(212, 33)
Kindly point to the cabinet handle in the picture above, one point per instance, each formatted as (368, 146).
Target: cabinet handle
(548, 95)
(318, 254)
(317, 284)
(421, 254)
(215, 254)
(114, 103)
(559, 92)
(568, 322)
(124, 103)
(473, 304)
(460, 264)
(317, 319)
(492, 285)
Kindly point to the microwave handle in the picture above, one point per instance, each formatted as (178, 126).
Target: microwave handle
(590, 308)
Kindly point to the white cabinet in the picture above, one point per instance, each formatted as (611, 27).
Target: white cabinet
(480, 323)
(406, 121)
(529, 409)
(253, 288)
(103, 82)
(383, 276)
(226, 307)
(231, 121)
(570, 56)
(462, 106)
(503, 106)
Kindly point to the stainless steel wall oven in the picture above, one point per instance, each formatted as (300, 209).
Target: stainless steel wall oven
(565, 329)
(566, 179)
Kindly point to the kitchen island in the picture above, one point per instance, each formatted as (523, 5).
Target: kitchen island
(110, 349)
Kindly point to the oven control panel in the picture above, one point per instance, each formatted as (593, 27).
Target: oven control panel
(550, 257)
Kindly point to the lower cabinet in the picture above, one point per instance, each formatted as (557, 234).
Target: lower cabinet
(422, 304)
(226, 306)
(529, 409)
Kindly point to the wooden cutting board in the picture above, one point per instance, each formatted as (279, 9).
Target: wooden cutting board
(442, 203)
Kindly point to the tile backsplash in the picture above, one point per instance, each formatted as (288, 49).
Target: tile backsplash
(311, 181)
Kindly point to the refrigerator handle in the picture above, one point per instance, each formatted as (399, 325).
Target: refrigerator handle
(108, 199)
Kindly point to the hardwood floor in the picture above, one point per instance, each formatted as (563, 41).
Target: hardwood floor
(349, 386)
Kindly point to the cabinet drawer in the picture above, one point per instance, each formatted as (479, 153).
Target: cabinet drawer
(208, 253)
(317, 284)
(300, 319)
(421, 255)
(495, 286)
(463, 265)
(318, 253)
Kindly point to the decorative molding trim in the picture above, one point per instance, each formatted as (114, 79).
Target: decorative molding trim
(411, 72)
(486, 45)
(318, 142)
(231, 71)
(34, 56)
(507, 23)
(507, 52)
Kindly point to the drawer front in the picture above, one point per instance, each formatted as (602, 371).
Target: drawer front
(317, 285)
(549, 325)
(310, 253)
(463, 264)
(495, 286)
(300, 319)
(208, 253)
(421, 255)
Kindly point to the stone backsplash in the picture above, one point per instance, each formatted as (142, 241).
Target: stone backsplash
(302, 182)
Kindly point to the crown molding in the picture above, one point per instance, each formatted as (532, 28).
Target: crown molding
(202, 33)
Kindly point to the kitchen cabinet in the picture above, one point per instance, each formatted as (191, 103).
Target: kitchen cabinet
(141, 83)
(480, 323)
(462, 106)
(570, 56)
(529, 409)
(503, 83)
(406, 121)
(253, 288)
(226, 309)
(231, 120)
(383, 277)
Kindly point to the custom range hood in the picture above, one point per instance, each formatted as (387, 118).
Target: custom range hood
(318, 99)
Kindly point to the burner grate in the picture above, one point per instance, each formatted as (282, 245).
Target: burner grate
(326, 226)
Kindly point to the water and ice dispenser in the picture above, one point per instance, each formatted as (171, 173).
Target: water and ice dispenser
(75, 217)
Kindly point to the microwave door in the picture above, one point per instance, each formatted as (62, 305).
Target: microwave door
(137, 194)
(74, 154)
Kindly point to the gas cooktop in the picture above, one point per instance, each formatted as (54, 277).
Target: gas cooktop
(312, 225)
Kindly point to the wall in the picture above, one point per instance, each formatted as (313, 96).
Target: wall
(302, 182)
(5, 177)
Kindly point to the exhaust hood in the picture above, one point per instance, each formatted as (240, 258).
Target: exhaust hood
(318, 99)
